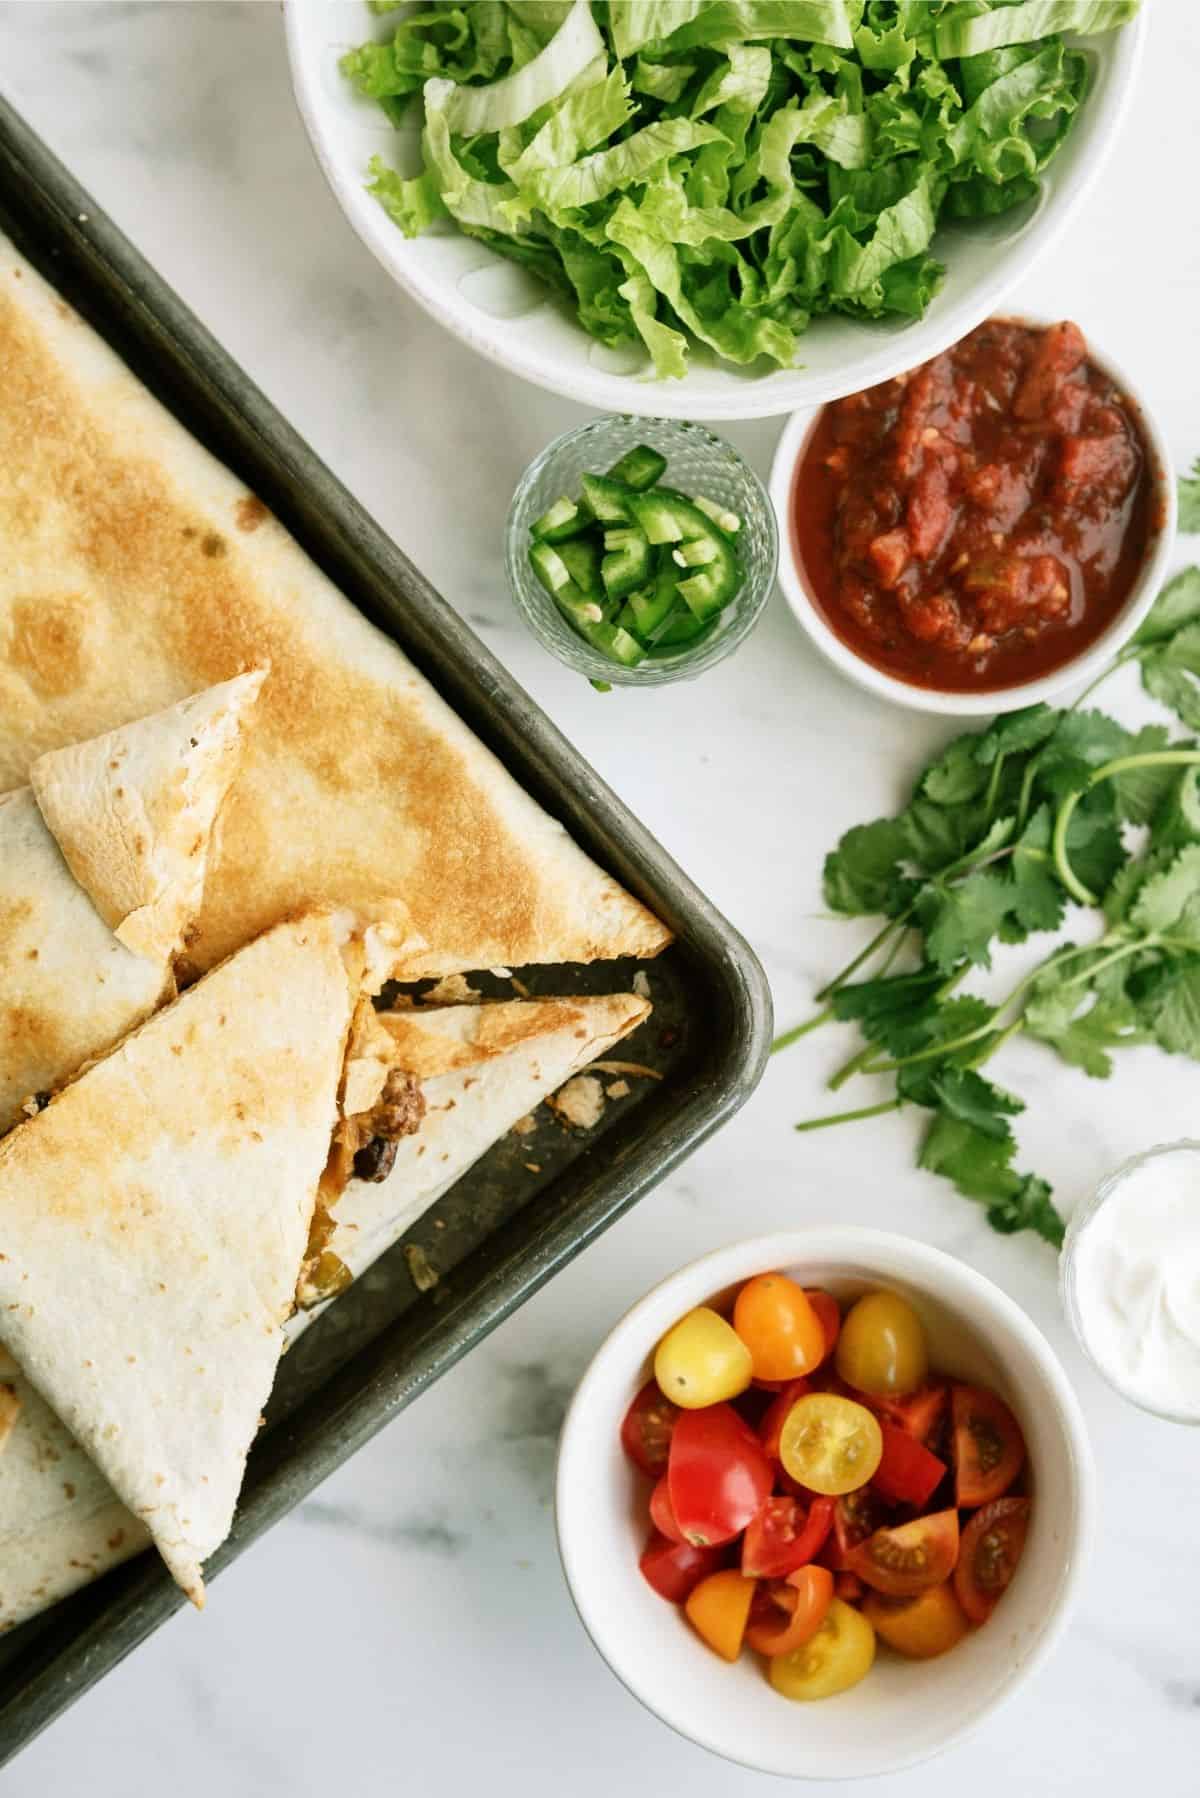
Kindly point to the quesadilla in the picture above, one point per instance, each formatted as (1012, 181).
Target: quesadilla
(152, 1223)
(61, 1523)
(138, 569)
(102, 864)
(478, 1069)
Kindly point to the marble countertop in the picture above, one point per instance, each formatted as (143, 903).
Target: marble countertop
(408, 1627)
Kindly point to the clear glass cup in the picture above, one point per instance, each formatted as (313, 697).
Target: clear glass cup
(697, 462)
(1069, 1271)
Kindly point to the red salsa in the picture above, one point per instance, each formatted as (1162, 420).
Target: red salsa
(981, 520)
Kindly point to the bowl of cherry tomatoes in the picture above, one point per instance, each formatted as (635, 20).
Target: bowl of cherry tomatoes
(822, 1501)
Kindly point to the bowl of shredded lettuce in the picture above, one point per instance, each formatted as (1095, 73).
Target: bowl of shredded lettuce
(711, 208)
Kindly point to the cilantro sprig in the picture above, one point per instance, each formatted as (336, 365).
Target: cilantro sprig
(1004, 830)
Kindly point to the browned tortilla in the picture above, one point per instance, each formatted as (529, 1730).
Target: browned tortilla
(137, 570)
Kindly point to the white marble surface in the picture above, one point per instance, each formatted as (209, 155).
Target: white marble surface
(408, 1627)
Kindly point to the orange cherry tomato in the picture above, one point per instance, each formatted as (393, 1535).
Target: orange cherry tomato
(775, 1320)
(788, 1613)
(905, 1560)
(718, 1610)
(828, 1313)
(989, 1449)
(991, 1547)
(920, 1627)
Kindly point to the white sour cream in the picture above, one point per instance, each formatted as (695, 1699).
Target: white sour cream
(1133, 1281)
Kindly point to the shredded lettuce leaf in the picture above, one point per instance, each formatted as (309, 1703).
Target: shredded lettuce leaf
(722, 172)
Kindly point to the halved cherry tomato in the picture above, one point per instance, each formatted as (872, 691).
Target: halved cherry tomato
(646, 1431)
(702, 1361)
(673, 1568)
(786, 1613)
(989, 1449)
(905, 1560)
(661, 1514)
(848, 1587)
(836, 1658)
(717, 1474)
(774, 1319)
(907, 1473)
(771, 1427)
(718, 1609)
(829, 1314)
(830, 1444)
(855, 1517)
(882, 1345)
(785, 1535)
(991, 1547)
(921, 1413)
(920, 1627)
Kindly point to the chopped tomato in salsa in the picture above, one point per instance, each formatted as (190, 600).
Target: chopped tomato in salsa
(979, 521)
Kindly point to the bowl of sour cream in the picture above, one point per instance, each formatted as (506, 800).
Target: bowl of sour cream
(1131, 1280)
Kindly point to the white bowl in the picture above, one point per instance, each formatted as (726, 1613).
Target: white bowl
(506, 315)
(904, 1711)
(790, 451)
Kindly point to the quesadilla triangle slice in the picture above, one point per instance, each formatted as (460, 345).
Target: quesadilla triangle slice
(137, 569)
(102, 862)
(133, 811)
(479, 1070)
(152, 1223)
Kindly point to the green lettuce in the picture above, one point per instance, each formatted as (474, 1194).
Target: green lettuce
(722, 172)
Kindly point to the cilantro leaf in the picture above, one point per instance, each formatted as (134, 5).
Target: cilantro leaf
(1177, 821)
(937, 835)
(885, 1009)
(980, 1167)
(1170, 896)
(1139, 792)
(1080, 1022)
(1038, 901)
(1017, 732)
(1177, 605)
(962, 1093)
(957, 775)
(1095, 847)
(1169, 1005)
(1082, 742)
(862, 875)
(960, 921)
(1169, 674)
(1189, 499)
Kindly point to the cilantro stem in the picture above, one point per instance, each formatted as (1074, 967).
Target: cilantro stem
(848, 1068)
(1126, 655)
(993, 787)
(876, 942)
(851, 1117)
(1161, 758)
(798, 1030)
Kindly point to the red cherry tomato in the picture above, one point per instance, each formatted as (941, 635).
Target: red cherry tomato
(991, 1547)
(855, 1517)
(772, 1423)
(785, 1535)
(661, 1514)
(718, 1476)
(828, 1314)
(921, 1413)
(646, 1430)
(989, 1449)
(673, 1568)
(908, 1474)
(909, 1558)
(786, 1614)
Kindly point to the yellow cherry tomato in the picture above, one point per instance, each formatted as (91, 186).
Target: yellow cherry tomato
(919, 1627)
(836, 1658)
(882, 1345)
(777, 1323)
(702, 1361)
(718, 1610)
(830, 1444)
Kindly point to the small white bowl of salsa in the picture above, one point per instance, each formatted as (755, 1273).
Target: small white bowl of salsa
(982, 532)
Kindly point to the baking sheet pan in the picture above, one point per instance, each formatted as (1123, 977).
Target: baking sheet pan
(503, 1229)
